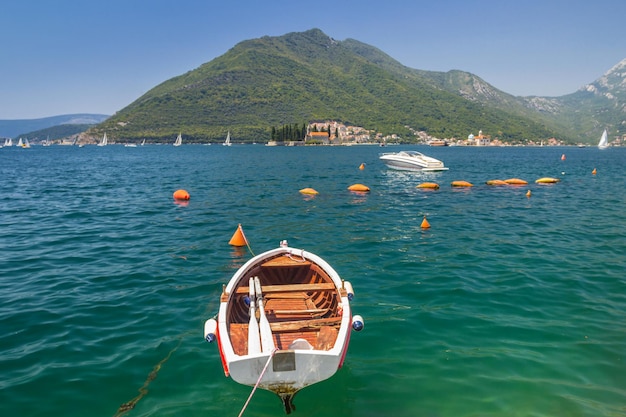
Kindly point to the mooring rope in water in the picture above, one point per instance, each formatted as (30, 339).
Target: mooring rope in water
(127, 406)
(258, 381)
(249, 248)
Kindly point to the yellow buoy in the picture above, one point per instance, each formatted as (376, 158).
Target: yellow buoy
(594, 171)
(496, 182)
(515, 181)
(547, 180)
(359, 187)
(362, 166)
(238, 239)
(462, 184)
(528, 193)
(310, 191)
(181, 195)
(429, 185)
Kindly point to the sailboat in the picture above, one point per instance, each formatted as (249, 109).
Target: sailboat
(26, 144)
(104, 141)
(46, 142)
(227, 141)
(179, 140)
(8, 142)
(143, 142)
(604, 141)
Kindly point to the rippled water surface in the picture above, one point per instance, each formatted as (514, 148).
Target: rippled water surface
(507, 306)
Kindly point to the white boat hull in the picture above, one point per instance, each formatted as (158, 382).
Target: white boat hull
(288, 371)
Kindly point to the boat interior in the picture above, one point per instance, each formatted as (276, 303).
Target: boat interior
(300, 302)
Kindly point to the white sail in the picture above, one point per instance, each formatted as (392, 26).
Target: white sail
(104, 141)
(227, 141)
(179, 140)
(604, 140)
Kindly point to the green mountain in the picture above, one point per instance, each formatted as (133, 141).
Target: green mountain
(56, 133)
(303, 76)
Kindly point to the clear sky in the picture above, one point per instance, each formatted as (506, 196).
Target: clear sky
(90, 56)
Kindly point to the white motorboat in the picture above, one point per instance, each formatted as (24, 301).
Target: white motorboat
(412, 161)
(284, 322)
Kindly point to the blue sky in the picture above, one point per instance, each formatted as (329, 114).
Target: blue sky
(88, 56)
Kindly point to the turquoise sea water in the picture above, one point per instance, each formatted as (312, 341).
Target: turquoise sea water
(506, 306)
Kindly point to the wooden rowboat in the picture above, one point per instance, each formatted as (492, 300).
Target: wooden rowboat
(284, 322)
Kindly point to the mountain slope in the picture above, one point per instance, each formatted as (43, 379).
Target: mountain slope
(599, 105)
(304, 76)
(13, 128)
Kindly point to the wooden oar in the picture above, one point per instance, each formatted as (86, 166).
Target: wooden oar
(267, 341)
(254, 343)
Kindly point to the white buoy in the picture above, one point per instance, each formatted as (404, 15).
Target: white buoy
(349, 290)
(210, 328)
(357, 323)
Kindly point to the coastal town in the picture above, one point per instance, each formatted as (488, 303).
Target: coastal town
(337, 133)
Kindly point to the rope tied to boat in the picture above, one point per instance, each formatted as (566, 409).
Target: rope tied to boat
(269, 359)
(288, 255)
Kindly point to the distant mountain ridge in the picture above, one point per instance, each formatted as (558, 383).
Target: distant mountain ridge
(13, 128)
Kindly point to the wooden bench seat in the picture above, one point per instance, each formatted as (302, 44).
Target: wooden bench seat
(320, 333)
(299, 325)
(286, 262)
(289, 288)
(306, 311)
(326, 338)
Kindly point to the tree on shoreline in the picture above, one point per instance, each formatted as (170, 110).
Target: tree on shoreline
(288, 133)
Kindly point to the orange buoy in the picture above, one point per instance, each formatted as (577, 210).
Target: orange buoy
(462, 184)
(528, 193)
(238, 239)
(425, 224)
(181, 195)
(362, 166)
(496, 182)
(429, 185)
(563, 157)
(515, 181)
(359, 187)
(594, 171)
(310, 191)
